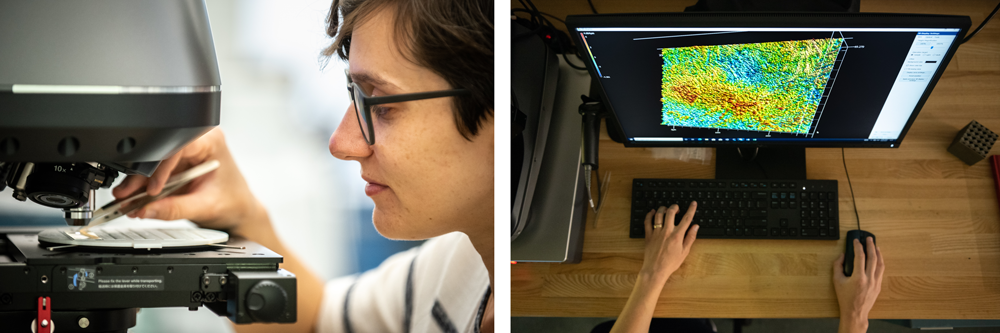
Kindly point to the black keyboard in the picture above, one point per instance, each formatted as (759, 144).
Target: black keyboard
(751, 209)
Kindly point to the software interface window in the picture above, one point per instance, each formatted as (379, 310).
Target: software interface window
(765, 84)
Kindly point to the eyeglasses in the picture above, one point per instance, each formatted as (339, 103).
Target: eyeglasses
(363, 103)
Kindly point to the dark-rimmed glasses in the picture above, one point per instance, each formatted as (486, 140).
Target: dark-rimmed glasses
(363, 103)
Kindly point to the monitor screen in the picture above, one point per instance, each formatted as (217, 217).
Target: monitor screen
(766, 80)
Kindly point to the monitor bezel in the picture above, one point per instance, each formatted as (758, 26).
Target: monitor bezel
(771, 20)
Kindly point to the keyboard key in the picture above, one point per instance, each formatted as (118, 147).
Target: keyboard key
(711, 232)
(760, 232)
(810, 232)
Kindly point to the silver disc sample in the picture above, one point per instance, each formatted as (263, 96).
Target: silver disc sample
(138, 238)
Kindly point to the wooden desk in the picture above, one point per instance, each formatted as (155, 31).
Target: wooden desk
(937, 219)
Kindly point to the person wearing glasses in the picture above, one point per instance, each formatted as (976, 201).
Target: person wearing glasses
(421, 125)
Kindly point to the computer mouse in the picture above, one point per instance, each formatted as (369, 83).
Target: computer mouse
(862, 236)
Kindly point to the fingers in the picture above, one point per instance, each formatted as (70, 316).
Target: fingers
(859, 258)
(648, 223)
(129, 186)
(691, 236)
(175, 208)
(686, 220)
(873, 261)
(881, 266)
(163, 171)
(665, 217)
(838, 267)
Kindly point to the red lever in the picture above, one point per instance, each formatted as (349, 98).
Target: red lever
(44, 323)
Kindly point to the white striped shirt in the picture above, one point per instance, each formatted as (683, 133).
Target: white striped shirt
(440, 286)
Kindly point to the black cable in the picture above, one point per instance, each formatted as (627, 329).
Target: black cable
(522, 10)
(853, 201)
(527, 9)
(591, 3)
(967, 38)
(538, 18)
(582, 68)
(553, 16)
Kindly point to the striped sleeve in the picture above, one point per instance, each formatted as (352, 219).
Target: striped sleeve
(371, 302)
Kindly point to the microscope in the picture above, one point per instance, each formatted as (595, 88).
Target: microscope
(91, 91)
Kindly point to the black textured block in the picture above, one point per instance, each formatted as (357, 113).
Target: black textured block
(973, 143)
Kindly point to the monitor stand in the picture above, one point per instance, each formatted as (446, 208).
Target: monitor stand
(750, 162)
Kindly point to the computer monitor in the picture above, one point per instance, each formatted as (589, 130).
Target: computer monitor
(769, 84)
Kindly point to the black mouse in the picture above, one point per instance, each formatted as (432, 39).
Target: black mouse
(862, 236)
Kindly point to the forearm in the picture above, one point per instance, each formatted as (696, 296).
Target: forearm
(853, 324)
(638, 311)
(257, 228)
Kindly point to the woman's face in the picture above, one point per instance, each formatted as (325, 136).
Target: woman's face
(425, 178)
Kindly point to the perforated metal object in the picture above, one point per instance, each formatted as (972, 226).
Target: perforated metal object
(973, 143)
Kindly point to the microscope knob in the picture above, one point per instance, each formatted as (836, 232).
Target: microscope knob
(266, 301)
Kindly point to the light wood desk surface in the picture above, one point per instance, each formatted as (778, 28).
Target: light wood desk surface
(936, 219)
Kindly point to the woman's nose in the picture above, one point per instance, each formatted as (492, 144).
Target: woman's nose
(347, 142)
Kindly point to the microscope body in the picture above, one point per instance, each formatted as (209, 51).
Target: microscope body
(90, 90)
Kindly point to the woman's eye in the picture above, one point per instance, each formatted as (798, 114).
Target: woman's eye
(380, 111)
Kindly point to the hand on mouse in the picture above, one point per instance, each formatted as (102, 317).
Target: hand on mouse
(857, 293)
(666, 245)
(220, 199)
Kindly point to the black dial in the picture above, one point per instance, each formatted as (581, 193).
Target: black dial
(266, 301)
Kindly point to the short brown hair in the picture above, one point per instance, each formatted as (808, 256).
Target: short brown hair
(453, 38)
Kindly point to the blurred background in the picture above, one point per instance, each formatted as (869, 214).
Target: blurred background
(279, 108)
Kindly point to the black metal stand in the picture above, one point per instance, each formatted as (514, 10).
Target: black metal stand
(750, 162)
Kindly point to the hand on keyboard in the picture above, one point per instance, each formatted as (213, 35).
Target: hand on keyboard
(666, 244)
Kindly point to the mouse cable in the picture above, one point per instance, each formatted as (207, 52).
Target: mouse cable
(591, 3)
(853, 201)
(967, 38)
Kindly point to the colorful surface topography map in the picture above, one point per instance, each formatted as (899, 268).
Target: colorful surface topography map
(773, 86)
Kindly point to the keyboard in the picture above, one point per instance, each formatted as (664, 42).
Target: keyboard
(743, 209)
